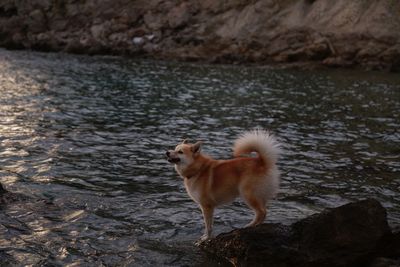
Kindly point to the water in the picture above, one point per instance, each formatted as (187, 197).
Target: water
(83, 139)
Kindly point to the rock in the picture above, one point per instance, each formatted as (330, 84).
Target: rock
(267, 244)
(59, 24)
(318, 50)
(136, 32)
(117, 38)
(74, 46)
(138, 40)
(150, 48)
(344, 236)
(371, 50)
(323, 33)
(45, 42)
(337, 62)
(385, 262)
(389, 247)
(154, 21)
(7, 197)
(392, 57)
(179, 16)
(2, 190)
(97, 31)
(351, 235)
(150, 37)
(36, 21)
(88, 44)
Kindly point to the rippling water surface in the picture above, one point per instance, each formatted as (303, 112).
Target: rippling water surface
(83, 139)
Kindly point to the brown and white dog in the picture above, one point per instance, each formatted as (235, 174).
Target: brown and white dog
(211, 182)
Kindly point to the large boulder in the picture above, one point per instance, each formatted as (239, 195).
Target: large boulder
(356, 234)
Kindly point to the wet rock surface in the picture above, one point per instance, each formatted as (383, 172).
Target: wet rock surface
(7, 197)
(355, 234)
(314, 33)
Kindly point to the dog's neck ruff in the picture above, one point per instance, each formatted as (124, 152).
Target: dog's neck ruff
(190, 176)
(196, 171)
(194, 174)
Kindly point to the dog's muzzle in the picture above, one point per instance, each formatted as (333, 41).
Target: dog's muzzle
(171, 158)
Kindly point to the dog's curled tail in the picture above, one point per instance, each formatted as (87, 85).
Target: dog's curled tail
(260, 141)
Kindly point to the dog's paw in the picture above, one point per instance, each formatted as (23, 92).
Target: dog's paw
(249, 225)
(202, 239)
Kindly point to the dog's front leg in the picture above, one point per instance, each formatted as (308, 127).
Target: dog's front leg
(208, 212)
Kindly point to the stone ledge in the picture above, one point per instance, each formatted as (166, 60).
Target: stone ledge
(355, 234)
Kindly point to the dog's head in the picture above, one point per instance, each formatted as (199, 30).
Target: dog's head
(184, 154)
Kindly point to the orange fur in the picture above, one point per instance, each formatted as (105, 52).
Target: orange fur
(211, 182)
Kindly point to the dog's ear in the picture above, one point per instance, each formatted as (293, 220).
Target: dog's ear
(184, 141)
(196, 147)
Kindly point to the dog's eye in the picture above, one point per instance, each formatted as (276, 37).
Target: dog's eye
(180, 152)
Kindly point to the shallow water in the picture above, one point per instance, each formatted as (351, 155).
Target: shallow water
(84, 139)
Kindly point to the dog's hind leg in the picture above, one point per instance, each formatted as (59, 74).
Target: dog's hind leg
(259, 208)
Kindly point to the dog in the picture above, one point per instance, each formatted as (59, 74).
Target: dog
(211, 183)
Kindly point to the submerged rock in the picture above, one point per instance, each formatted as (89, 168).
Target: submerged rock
(356, 234)
(7, 197)
(2, 190)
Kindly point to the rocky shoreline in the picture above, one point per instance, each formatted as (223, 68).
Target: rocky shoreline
(355, 234)
(352, 34)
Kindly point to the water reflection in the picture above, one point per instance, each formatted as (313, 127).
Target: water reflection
(84, 139)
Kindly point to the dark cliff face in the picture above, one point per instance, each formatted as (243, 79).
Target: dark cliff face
(333, 33)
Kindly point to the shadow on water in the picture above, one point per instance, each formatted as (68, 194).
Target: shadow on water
(83, 139)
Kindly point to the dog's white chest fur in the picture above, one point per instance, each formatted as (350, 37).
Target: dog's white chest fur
(190, 184)
(193, 191)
